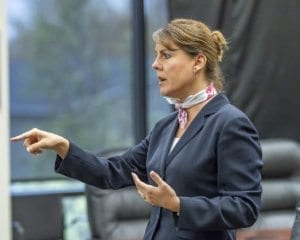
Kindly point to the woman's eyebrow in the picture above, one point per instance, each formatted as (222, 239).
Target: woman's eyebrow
(168, 49)
(173, 49)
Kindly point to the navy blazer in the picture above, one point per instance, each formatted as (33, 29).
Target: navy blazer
(215, 169)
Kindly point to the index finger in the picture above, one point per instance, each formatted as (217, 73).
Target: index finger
(22, 136)
(156, 178)
(140, 184)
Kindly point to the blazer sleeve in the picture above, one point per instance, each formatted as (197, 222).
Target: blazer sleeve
(113, 172)
(239, 162)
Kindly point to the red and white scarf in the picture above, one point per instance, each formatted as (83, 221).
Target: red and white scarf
(190, 101)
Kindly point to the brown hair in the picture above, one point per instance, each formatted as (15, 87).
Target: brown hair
(195, 37)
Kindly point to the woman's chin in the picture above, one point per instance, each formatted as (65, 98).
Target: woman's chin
(164, 93)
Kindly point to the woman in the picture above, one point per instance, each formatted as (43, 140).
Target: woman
(200, 166)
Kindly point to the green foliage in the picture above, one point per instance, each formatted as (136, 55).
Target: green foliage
(72, 60)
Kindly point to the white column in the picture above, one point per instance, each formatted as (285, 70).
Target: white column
(5, 223)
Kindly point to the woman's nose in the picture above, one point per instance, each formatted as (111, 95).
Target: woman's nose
(155, 64)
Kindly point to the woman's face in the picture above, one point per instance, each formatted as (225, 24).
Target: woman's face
(174, 69)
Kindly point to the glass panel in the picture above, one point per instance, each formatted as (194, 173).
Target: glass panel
(76, 220)
(156, 16)
(69, 73)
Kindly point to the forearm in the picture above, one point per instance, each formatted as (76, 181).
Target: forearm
(112, 173)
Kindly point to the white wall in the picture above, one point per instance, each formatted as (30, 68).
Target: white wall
(5, 229)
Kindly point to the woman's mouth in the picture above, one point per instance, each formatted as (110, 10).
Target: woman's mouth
(161, 80)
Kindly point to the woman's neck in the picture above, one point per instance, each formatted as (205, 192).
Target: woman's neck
(192, 112)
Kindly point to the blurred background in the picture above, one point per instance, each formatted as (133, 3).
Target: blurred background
(83, 70)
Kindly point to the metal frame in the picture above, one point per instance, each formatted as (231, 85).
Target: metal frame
(139, 103)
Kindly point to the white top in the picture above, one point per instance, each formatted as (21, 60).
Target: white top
(175, 141)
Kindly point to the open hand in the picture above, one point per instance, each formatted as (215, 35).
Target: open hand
(162, 195)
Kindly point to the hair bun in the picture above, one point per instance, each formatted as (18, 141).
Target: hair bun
(220, 42)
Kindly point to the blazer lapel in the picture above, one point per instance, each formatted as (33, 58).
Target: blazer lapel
(213, 106)
(193, 129)
(169, 133)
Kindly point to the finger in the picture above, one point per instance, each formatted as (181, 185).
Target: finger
(27, 142)
(35, 147)
(157, 179)
(140, 193)
(141, 186)
(38, 152)
(20, 137)
(134, 177)
(139, 190)
(137, 181)
(24, 135)
(143, 195)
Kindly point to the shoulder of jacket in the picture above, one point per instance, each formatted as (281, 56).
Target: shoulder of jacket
(166, 120)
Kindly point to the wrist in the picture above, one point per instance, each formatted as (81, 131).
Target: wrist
(62, 148)
(176, 205)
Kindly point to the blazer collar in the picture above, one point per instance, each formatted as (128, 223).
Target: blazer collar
(214, 105)
(210, 108)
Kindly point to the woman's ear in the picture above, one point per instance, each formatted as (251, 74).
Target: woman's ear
(200, 62)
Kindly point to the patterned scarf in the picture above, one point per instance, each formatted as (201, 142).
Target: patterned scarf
(190, 101)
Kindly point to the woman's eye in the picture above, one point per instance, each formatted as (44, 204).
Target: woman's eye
(166, 55)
